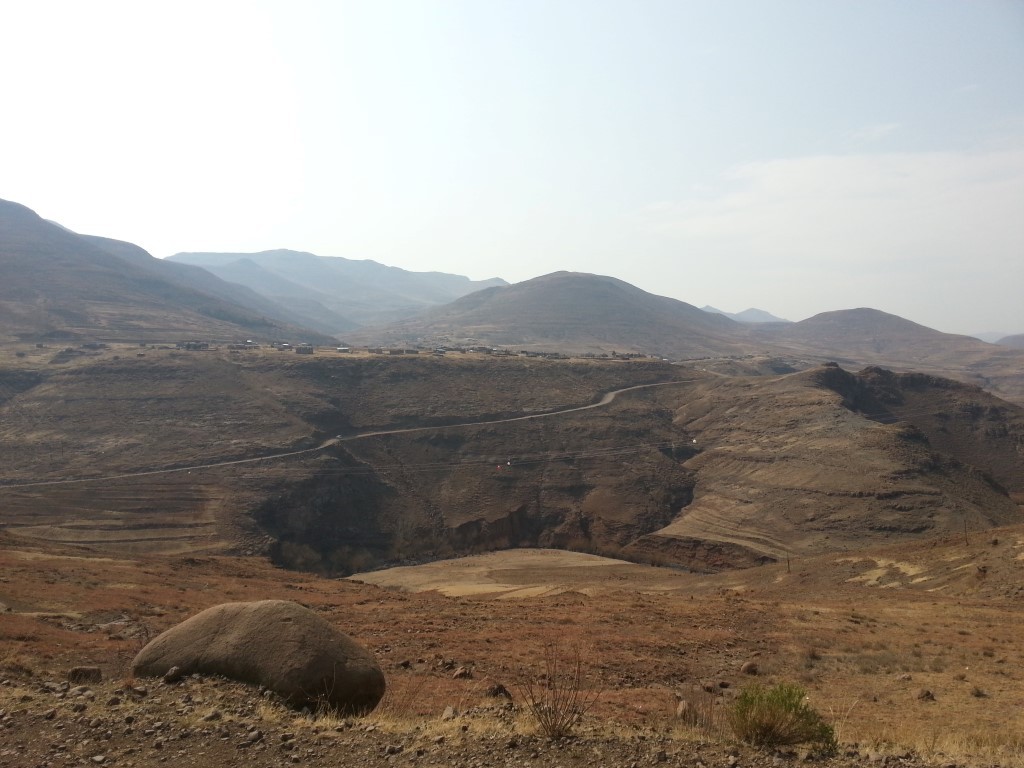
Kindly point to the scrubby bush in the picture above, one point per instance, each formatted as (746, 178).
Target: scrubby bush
(559, 698)
(777, 716)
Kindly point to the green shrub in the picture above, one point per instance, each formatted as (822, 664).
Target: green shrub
(777, 716)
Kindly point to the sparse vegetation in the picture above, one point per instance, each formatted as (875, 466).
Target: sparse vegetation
(779, 716)
(559, 697)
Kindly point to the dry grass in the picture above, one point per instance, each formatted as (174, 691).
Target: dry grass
(646, 646)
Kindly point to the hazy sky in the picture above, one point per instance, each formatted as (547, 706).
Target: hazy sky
(794, 156)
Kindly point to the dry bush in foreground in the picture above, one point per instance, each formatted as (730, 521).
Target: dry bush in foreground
(558, 698)
(701, 712)
(777, 716)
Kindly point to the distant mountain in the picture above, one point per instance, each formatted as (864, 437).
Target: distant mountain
(871, 337)
(342, 293)
(1016, 341)
(571, 311)
(865, 331)
(992, 337)
(751, 315)
(55, 283)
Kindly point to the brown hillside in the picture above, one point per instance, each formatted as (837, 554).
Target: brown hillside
(1016, 341)
(165, 456)
(571, 312)
(56, 284)
(100, 421)
(787, 467)
(863, 633)
(860, 337)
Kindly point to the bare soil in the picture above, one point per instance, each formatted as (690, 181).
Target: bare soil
(864, 633)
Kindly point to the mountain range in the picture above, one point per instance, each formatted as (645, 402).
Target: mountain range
(335, 294)
(59, 284)
(751, 315)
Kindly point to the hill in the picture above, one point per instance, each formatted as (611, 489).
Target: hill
(570, 312)
(433, 459)
(864, 332)
(334, 291)
(862, 337)
(863, 633)
(825, 460)
(56, 284)
(1015, 341)
(751, 315)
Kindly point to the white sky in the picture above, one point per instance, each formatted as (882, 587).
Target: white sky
(794, 156)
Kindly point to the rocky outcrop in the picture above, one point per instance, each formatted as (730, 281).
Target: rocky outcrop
(274, 643)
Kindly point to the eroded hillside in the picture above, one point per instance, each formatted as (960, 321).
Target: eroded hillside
(816, 461)
(346, 462)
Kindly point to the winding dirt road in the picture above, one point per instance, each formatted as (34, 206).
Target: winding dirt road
(606, 399)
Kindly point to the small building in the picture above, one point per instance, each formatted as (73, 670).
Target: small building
(304, 349)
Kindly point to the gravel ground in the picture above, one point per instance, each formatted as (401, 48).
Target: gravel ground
(214, 722)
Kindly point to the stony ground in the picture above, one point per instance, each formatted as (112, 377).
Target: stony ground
(212, 722)
(864, 635)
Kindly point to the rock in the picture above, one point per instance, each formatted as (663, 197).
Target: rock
(275, 643)
(449, 713)
(749, 668)
(79, 675)
(172, 675)
(925, 695)
(462, 673)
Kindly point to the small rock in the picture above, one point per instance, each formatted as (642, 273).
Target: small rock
(172, 675)
(99, 759)
(392, 749)
(925, 695)
(449, 713)
(462, 673)
(749, 668)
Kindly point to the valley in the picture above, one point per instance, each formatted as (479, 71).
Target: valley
(484, 478)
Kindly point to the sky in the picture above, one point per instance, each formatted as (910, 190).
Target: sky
(798, 156)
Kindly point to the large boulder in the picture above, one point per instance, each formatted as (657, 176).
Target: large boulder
(274, 643)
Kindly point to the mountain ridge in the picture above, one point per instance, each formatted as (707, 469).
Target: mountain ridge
(59, 283)
(359, 292)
